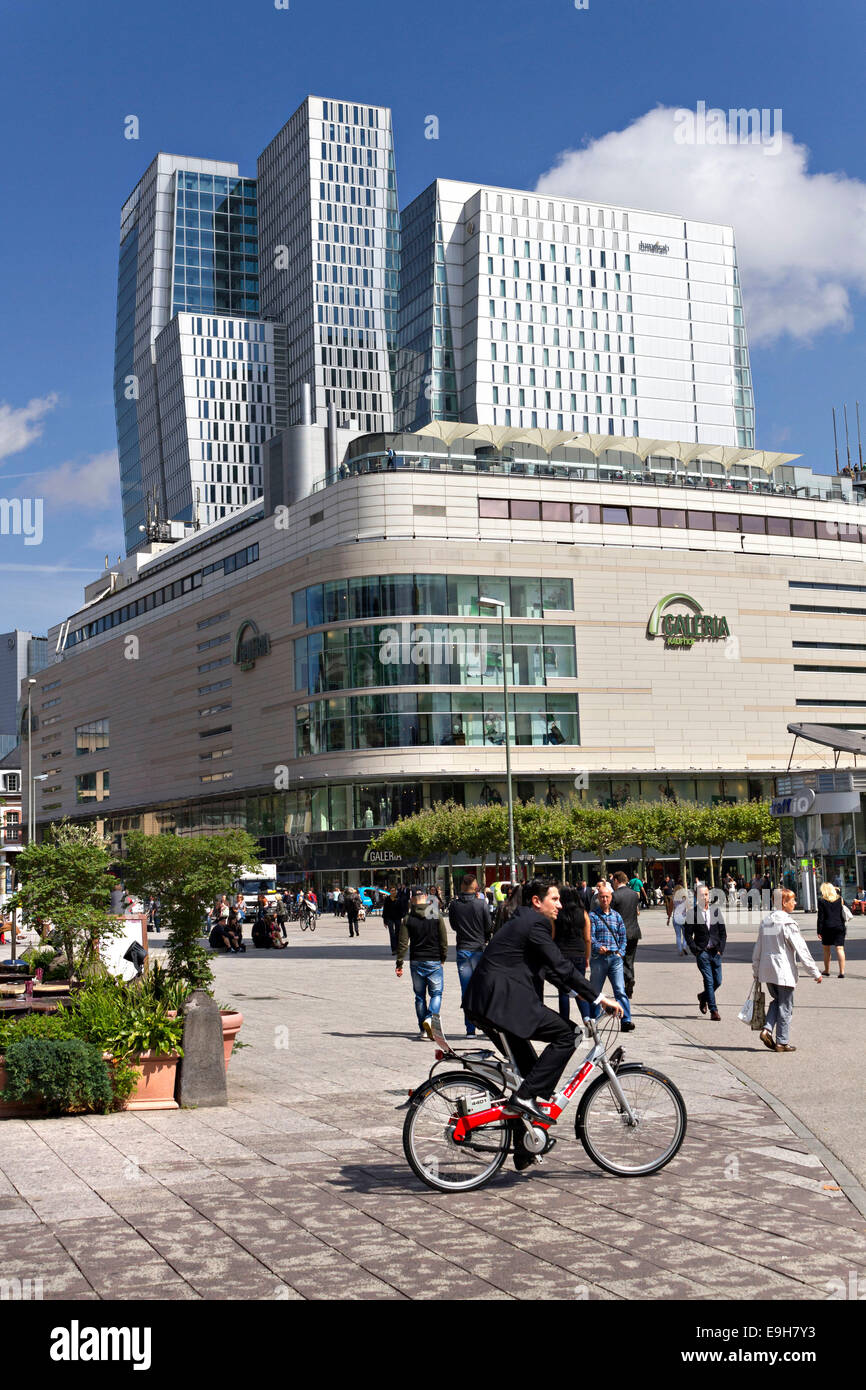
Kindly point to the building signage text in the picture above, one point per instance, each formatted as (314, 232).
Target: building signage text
(250, 644)
(684, 629)
(658, 248)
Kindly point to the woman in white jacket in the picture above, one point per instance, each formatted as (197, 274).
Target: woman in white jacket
(779, 945)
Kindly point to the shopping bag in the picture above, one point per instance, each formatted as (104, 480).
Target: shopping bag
(745, 1014)
(759, 1009)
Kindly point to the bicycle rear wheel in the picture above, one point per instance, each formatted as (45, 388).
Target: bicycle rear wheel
(632, 1151)
(428, 1143)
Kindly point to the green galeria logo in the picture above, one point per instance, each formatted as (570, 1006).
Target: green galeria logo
(684, 629)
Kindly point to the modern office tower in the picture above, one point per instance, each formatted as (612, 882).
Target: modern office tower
(329, 236)
(525, 310)
(199, 379)
(21, 655)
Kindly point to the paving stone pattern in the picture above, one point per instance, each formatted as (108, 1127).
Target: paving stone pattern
(299, 1189)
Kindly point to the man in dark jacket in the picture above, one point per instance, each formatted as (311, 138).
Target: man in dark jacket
(502, 994)
(706, 937)
(471, 923)
(626, 901)
(422, 935)
(392, 915)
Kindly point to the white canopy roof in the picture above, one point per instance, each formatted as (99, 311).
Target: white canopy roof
(597, 444)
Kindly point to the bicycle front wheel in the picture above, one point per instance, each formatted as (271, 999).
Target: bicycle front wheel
(428, 1143)
(632, 1150)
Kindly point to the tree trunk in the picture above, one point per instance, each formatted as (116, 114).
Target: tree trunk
(602, 863)
(450, 877)
(710, 858)
(562, 857)
(684, 877)
(483, 880)
(721, 857)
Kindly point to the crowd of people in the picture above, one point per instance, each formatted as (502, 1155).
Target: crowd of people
(595, 929)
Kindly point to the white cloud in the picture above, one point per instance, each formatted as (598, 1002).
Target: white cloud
(21, 425)
(93, 483)
(801, 236)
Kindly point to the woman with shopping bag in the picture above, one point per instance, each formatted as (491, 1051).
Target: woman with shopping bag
(779, 946)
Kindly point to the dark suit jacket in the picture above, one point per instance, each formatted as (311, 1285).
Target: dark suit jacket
(696, 934)
(502, 990)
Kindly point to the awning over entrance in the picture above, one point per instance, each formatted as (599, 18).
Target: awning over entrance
(840, 740)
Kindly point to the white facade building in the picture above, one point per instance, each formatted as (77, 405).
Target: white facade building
(530, 311)
(330, 245)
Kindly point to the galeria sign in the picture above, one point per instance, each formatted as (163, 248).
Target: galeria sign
(684, 629)
(250, 644)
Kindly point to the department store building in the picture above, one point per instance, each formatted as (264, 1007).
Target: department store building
(317, 664)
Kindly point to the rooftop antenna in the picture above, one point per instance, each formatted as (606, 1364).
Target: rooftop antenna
(859, 445)
(847, 446)
(835, 439)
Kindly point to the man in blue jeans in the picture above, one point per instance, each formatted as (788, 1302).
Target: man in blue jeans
(422, 936)
(706, 938)
(608, 939)
(470, 921)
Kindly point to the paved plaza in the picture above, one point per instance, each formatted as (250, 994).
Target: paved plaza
(299, 1188)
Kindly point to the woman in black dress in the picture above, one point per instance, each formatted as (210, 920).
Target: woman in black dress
(831, 926)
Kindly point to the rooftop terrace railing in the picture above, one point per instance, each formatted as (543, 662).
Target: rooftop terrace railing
(580, 473)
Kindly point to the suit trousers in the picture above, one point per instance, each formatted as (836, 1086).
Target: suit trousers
(631, 946)
(540, 1074)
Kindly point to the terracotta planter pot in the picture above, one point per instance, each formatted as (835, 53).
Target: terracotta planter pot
(232, 1021)
(157, 1073)
(17, 1109)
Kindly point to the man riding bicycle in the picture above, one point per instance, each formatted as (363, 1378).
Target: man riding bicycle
(505, 994)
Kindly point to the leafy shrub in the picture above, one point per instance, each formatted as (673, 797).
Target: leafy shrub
(36, 1025)
(122, 1021)
(66, 1074)
(159, 987)
(39, 956)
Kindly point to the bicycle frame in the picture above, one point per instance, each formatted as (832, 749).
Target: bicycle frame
(595, 1060)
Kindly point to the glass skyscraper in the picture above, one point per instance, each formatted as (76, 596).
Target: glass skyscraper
(216, 246)
(330, 257)
(199, 379)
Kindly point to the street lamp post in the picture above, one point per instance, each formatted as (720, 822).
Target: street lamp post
(31, 681)
(512, 862)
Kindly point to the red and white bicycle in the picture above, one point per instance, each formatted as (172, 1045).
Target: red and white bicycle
(631, 1119)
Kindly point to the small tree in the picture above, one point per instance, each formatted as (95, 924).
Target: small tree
(186, 873)
(599, 828)
(67, 880)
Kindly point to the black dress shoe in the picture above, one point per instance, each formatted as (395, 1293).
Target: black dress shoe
(527, 1105)
(702, 1001)
(626, 1027)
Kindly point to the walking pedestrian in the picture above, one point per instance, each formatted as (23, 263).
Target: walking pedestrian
(668, 896)
(608, 943)
(573, 935)
(679, 902)
(706, 937)
(470, 921)
(392, 916)
(626, 900)
(422, 936)
(778, 947)
(638, 886)
(352, 904)
(832, 926)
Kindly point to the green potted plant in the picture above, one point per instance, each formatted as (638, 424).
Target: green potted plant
(63, 1075)
(136, 1033)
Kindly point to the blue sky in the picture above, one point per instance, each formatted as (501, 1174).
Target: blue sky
(514, 85)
